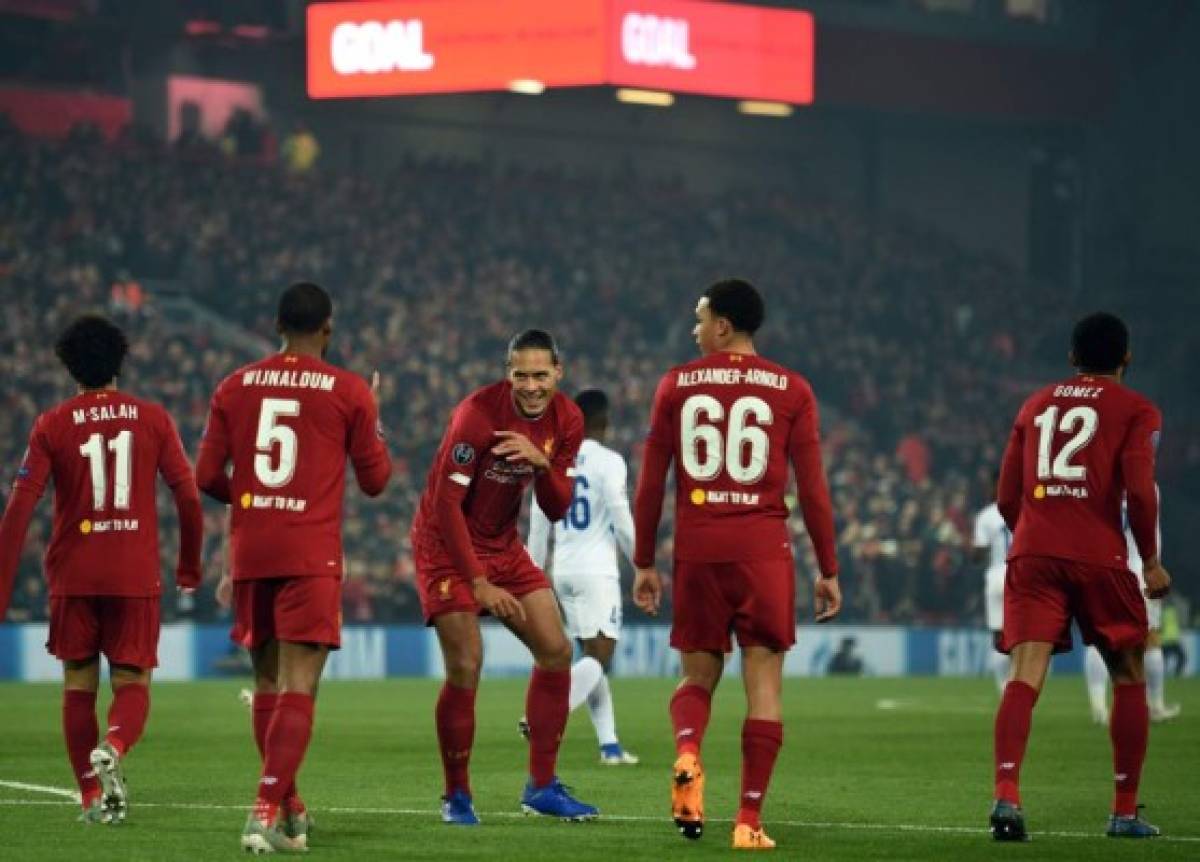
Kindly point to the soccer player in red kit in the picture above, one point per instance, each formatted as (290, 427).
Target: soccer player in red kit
(102, 449)
(1077, 448)
(470, 560)
(287, 424)
(732, 421)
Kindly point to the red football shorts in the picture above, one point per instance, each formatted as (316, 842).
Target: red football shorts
(754, 599)
(443, 590)
(1043, 594)
(124, 629)
(299, 610)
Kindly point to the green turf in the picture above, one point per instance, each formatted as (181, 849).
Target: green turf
(850, 775)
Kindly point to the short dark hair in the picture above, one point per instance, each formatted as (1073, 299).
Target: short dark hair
(1100, 343)
(92, 348)
(594, 405)
(304, 308)
(737, 301)
(534, 339)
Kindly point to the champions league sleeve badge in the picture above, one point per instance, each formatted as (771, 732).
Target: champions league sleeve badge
(463, 454)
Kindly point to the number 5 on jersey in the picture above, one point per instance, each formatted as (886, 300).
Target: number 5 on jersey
(272, 433)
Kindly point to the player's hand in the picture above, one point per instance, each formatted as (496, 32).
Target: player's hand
(827, 601)
(225, 591)
(498, 601)
(514, 446)
(647, 590)
(1158, 581)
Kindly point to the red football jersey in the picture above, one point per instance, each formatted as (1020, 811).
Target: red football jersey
(1076, 449)
(469, 486)
(731, 423)
(287, 423)
(103, 450)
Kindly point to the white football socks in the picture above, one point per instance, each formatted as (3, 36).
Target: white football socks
(1095, 673)
(585, 674)
(1001, 664)
(1155, 678)
(600, 707)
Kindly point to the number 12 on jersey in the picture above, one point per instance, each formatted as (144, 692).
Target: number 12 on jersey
(1080, 421)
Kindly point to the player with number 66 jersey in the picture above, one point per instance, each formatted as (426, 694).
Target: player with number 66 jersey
(732, 422)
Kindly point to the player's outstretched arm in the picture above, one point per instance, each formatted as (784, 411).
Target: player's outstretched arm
(1141, 493)
(368, 451)
(27, 490)
(1012, 471)
(616, 498)
(812, 491)
(177, 473)
(652, 480)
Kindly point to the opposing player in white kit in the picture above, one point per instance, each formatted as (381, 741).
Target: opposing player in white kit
(1095, 672)
(584, 568)
(992, 538)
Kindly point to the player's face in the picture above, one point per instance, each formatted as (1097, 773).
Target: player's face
(707, 328)
(534, 376)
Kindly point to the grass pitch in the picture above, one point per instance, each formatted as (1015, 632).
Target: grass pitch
(870, 769)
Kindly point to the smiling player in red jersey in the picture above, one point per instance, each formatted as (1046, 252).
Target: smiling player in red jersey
(470, 559)
(1077, 448)
(287, 424)
(102, 449)
(732, 421)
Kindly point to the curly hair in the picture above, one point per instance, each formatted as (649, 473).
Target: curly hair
(92, 348)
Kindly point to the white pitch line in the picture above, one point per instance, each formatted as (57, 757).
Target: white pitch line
(73, 795)
(631, 818)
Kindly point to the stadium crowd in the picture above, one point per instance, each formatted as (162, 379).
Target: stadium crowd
(914, 346)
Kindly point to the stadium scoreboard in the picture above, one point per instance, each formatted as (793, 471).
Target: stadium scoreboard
(409, 47)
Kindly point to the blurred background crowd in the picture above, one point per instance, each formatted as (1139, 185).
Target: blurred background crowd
(919, 350)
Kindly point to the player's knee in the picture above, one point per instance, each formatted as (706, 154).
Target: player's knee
(556, 656)
(463, 669)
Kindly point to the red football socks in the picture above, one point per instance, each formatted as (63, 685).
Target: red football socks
(81, 733)
(1129, 729)
(690, 708)
(546, 709)
(286, 742)
(1013, 720)
(455, 718)
(761, 741)
(264, 708)
(127, 716)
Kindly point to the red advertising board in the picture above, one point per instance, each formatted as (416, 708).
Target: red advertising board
(446, 46)
(718, 49)
(442, 46)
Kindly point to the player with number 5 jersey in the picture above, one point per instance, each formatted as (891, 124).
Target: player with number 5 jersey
(1076, 449)
(732, 422)
(287, 424)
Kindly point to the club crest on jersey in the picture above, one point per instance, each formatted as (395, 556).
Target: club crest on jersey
(548, 446)
(463, 454)
(444, 589)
